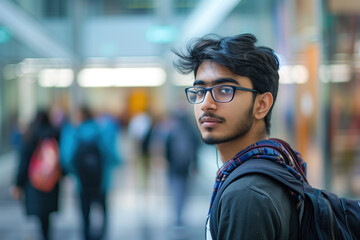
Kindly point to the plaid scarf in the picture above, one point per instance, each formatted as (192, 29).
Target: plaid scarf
(273, 150)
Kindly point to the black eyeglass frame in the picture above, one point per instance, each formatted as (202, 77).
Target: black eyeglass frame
(210, 89)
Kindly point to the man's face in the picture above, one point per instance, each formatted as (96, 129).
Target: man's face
(223, 122)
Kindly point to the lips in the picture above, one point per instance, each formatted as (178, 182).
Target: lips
(208, 122)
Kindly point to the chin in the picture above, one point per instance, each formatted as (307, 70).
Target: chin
(211, 140)
(208, 138)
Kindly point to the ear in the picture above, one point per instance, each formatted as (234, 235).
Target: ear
(263, 103)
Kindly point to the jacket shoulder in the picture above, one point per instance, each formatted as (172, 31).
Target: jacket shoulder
(256, 206)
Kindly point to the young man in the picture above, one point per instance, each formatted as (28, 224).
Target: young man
(235, 87)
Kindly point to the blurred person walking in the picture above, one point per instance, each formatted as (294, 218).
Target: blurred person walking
(38, 153)
(88, 151)
(139, 132)
(181, 145)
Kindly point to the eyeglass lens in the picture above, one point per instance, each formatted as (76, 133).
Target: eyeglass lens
(219, 93)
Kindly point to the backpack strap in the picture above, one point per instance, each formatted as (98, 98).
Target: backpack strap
(255, 166)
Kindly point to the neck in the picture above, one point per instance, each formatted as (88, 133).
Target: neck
(229, 149)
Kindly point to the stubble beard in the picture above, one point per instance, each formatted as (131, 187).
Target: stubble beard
(241, 129)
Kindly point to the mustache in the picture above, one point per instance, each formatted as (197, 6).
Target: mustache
(211, 115)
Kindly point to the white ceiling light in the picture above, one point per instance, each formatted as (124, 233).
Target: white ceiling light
(335, 73)
(122, 77)
(298, 74)
(56, 77)
(285, 72)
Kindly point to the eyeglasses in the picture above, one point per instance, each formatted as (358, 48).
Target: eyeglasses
(220, 93)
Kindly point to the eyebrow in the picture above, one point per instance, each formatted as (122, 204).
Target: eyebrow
(217, 81)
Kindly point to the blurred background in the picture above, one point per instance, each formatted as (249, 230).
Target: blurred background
(115, 56)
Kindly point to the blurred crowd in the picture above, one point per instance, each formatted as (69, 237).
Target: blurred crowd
(87, 148)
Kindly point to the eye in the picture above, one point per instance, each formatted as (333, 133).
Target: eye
(199, 92)
(225, 90)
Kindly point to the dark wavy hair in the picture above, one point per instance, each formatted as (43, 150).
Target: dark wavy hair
(240, 55)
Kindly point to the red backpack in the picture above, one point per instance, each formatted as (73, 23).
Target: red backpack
(44, 169)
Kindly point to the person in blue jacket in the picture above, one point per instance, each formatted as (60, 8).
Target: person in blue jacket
(78, 141)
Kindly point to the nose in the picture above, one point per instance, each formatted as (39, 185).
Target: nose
(208, 103)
